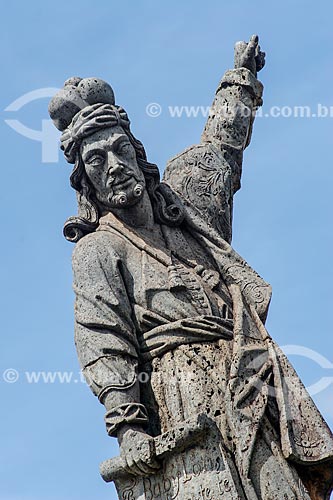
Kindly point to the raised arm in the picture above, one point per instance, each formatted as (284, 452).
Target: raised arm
(238, 96)
(208, 175)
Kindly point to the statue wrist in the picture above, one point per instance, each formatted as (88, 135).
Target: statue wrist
(128, 414)
(245, 78)
(126, 428)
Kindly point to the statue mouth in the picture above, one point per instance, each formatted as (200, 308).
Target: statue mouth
(123, 183)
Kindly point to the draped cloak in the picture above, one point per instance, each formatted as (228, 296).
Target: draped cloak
(129, 313)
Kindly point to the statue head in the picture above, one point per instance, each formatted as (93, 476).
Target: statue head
(110, 165)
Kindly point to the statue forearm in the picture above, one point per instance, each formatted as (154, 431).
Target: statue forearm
(231, 118)
(238, 96)
(114, 381)
(125, 416)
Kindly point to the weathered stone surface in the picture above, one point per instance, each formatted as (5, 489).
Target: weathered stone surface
(203, 470)
(169, 319)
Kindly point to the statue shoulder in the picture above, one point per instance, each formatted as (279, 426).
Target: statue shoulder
(96, 249)
(203, 176)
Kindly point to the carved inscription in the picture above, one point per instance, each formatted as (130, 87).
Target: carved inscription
(201, 473)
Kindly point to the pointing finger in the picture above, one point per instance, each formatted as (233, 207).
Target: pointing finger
(252, 46)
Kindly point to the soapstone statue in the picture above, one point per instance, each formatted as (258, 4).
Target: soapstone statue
(170, 320)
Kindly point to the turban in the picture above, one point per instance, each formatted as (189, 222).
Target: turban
(84, 106)
(80, 108)
(88, 121)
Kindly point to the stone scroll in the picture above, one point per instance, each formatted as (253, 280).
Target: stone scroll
(195, 467)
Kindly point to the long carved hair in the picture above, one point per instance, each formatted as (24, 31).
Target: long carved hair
(167, 207)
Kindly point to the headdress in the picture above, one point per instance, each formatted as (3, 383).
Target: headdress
(81, 108)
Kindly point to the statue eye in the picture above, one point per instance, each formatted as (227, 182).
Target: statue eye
(95, 160)
(123, 148)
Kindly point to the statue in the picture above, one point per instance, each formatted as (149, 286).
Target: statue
(169, 319)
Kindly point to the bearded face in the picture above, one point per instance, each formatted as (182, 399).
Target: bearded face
(111, 166)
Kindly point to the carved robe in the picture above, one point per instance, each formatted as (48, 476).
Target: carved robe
(135, 298)
(128, 320)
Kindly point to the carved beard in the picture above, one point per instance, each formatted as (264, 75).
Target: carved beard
(126, 198)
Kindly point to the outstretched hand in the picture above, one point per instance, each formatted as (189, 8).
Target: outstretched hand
(249, 55)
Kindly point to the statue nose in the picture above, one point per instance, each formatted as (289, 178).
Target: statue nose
(115, 169)
(114, 166)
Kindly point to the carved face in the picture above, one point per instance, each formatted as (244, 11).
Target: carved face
(111, 166)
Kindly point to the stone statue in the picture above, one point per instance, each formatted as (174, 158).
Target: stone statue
(169, 319)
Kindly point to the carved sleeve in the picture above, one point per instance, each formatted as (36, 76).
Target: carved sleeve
(230, 121)
(105, 335)
(208, 174)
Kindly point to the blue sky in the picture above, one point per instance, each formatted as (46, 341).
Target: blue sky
(171, 53)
